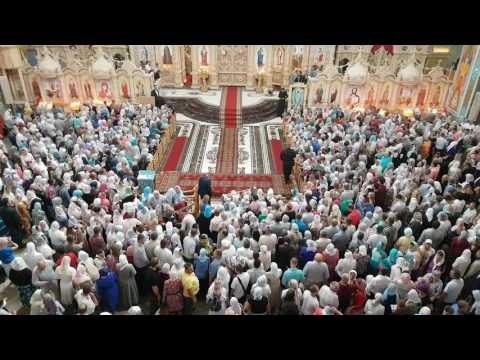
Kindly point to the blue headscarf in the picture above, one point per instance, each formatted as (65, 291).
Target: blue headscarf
(77, 193)
(146, 192)
(208, 211)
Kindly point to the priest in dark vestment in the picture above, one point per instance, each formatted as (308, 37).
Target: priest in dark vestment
(283, 96)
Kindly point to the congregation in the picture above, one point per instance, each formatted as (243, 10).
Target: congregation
(385, 221)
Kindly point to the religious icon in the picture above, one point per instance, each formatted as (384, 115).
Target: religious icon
(73, 89)
(260, 57)
(140, 89)
(188, 59)
(143, 55)
(436, 97)
(370, 99)
(280, 56)
(88, 90)
(405, 96)
(31, 55)
(318, 96)
(463, 70)
(125, 90)
(354, 99)
(421, 97)
(297, 97)
(333, 96)
(297, 57)
(224, 58)
(104, 91)
(53, 89)
(204, 56)
(385, 96)
(36, 89)
(167, 55)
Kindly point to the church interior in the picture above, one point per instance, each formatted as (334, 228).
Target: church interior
(225, 110)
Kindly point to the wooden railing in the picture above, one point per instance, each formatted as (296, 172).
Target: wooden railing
(164, 145)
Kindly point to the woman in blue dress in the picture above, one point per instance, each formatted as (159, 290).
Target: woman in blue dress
(108, 290)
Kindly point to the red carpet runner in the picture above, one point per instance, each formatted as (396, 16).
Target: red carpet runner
(231, 106)
(175, 154)
(230, 110)
(277, 149)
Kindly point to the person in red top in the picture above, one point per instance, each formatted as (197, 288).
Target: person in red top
(359, 297)
(355, 215)
(73, 258)
(97, 243)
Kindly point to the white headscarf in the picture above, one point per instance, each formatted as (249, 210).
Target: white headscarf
(31, 256)
(274, 270)
(235, 306)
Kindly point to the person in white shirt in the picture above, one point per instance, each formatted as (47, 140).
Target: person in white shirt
(328, 295)
(215, 223)
(310, 300)
(163, 254)
(140, 258)
(189, 245)
(453, 288)
(239, 285)
(187, 223)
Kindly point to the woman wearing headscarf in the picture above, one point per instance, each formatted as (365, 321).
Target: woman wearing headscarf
(201, 265)
(403, 243)
(462, 262)
(359, 297)
(257, 303)
(216, 298)
(374, 306)
(404, 285)
(345, 265)
(293, 285)
(57, 237)
(397, 269)
(273, 278)
(25, 218)
(475, 309)
(390, 297)
(378, 256)
(265, 257)
(235, 307)
(66, 274)
(330, 257)
(31, 256)
(413, 302)
(86, 300)
(108, 290)
(38, 214)
(172, 293)
(437, 262)
(262, 283)
(21, 276)
(89, 265)
(81, 277)
(127, 284)
(307, 253)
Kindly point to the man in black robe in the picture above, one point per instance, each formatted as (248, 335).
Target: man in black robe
(282, 95)
(288, 157)
(204, 186)
(159, 101)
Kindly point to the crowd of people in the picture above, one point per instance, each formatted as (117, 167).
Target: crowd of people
(386, 221)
